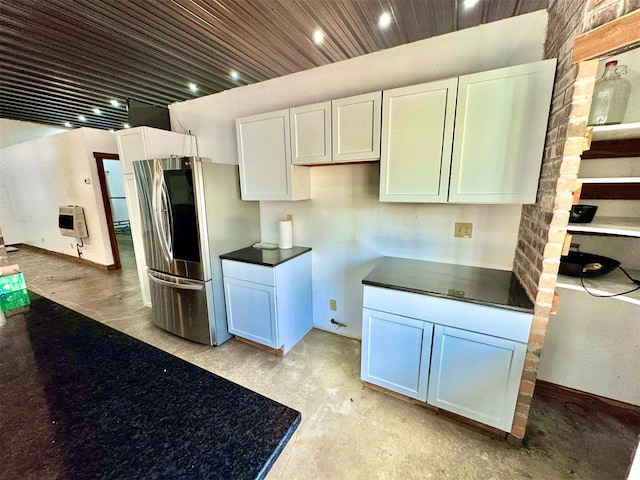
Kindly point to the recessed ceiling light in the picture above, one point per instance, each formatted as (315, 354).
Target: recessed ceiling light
(82, 118)
(97, 111)
(115, 103)
(385, 20)
(67, 124)
(193, 87)
(126, 125)
(318, 37)
(235, 75)
(470, 3)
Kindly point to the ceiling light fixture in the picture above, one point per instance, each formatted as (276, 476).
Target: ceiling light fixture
(82, 118)
(318, 37)
(112, 131)
(234, 75)
(67, 124)
(193, 87)
(97, 111)
(115, 103)
(385, 20)
(470, 3)
(126, 125)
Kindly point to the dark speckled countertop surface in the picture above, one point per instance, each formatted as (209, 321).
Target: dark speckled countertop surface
(269, 258)
(485, 286)
(80, 400)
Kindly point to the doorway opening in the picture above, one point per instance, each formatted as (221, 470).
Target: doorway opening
(115, 207)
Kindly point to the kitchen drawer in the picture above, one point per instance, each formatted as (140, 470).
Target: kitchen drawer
(498, 322)
(249, 272)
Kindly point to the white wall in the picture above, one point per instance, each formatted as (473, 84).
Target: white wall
(38, 176)
(16, 131)
(344, 223)
(593, 345)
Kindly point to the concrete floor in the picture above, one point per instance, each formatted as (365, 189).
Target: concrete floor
(348, 431)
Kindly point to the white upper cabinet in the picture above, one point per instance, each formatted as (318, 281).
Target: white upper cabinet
(311, 134)
(142, 143)
(356, 128)
(417, 137)
(500, 130)
(264, 157)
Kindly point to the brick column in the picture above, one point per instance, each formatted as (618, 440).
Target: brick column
(543, 226)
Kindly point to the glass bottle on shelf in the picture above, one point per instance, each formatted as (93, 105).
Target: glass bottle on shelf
(610, 95)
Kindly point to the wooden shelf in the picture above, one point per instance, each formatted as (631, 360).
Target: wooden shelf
(614, 141)
(610, 180)
(621, 131)
(616, 190)
(614, 282)
(622, 226)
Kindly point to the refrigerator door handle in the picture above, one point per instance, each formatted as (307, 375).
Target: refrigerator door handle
(179, 286)
(162, 210)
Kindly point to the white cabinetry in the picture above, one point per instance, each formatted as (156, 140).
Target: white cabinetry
(143, 143)
(275, 147)
(473, 375)
(311, 134)
(251, 310)
(491, 154)
(500, 130)
(477, 353)
(417, 137)
(264, 156)
(269, 305)
(395, 352)
(356, 128)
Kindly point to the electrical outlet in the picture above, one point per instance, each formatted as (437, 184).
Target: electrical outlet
(290, 216)
(333, 306)
(463, 230)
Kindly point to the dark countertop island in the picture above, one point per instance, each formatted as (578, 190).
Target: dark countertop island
(80, 400)
(268, 258)
(484, 286)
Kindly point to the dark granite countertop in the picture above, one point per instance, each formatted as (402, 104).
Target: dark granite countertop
(485, 286)
(80, 400)
(269, 258)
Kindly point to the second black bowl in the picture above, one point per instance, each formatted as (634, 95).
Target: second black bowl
(582, 213)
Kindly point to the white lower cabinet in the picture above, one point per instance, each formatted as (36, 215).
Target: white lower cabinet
(269, 305)
(251, 311)
(422, 347)
(395, 352)
(476, 376)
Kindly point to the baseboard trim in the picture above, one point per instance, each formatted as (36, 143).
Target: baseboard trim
(83, 261)
(493, 432)
(275, 351)
(615, 408)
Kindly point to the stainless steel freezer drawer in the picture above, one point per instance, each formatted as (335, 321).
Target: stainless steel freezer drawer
(180, 306)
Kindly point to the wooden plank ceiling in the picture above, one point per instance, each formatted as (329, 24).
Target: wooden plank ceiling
(63, 58)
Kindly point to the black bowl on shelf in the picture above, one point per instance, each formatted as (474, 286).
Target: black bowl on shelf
(586, 265)
(582, 213)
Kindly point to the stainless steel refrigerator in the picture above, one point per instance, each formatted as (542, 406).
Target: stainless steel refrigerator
(191, 213)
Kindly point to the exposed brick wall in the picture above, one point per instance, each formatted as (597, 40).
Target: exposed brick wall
(543, 226)
(599, 12)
